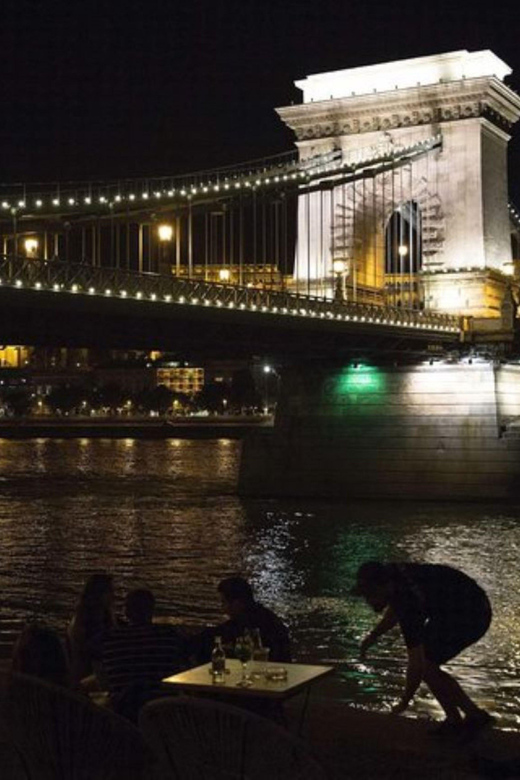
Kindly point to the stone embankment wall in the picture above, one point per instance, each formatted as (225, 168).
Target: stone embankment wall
(441, 431)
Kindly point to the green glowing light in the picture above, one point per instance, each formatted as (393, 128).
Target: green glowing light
(359, 379)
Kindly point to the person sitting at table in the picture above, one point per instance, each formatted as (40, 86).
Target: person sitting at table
(245, 613)
(136, 657)
(93, 617)
(38, 651)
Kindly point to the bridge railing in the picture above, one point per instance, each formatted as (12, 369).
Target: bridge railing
(82, 279)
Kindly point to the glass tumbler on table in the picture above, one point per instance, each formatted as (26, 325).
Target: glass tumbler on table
(243, 651)
(260, 655)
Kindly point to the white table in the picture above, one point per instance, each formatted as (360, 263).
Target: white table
(300, 678)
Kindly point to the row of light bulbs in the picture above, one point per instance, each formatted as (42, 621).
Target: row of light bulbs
(189, 192)
(514, 212)
(300, 312)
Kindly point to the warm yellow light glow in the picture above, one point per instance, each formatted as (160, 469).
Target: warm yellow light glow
(224, 274)
(338, 266)
(402, 250)
(31, 246)
(165, 232)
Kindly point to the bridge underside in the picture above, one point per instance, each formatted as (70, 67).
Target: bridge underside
(46, 318)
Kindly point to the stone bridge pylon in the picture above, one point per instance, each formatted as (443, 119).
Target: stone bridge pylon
(438, 228)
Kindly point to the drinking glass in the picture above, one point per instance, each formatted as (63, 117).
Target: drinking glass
(243, 651)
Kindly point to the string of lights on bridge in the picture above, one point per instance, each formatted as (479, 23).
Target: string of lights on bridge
(515, 215)
(297, 171)
(322, 310)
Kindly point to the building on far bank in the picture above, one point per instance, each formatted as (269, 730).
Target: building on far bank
(180, 377)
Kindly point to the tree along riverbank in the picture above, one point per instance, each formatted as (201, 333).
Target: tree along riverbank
(132, 428)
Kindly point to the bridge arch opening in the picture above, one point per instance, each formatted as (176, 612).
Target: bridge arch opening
(404, 255)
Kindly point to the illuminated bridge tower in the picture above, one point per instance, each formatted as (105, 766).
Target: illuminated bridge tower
(442, 220)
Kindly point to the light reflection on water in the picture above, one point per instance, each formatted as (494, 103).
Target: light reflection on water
(165, 514)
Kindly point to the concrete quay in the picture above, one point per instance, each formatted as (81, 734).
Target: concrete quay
(227, 427)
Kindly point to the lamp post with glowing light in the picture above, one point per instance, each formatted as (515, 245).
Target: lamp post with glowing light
(268, 371)
(31, 247)
(340, 268)
(165, 235)
(224, 275)
(402, 251)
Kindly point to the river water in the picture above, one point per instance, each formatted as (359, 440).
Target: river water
(165, 514)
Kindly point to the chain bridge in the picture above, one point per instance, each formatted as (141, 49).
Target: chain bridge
(386, 233)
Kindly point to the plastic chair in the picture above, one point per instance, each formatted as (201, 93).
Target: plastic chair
(198, 739)
(60, 735)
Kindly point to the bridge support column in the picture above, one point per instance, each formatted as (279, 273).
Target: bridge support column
(442, 431)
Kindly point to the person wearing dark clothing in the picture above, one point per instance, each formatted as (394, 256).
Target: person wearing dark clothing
(245, 614)
(39, 652)
(440, 611)
(136, 657)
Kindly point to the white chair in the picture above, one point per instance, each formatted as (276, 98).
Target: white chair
(199, 739)
(60, 735)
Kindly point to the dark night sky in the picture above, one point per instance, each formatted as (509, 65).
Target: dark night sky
(102, 89)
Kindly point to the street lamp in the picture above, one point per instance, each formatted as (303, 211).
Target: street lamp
(31, 247)
(268, 372)
(339, 267)
(224, 274)
(165, 234)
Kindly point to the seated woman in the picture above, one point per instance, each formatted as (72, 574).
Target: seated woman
(38, 651)
(93, 618)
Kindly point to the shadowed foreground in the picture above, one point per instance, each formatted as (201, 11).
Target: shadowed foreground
(359, 744)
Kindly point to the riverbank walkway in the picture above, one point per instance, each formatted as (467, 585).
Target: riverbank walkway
(354, 743)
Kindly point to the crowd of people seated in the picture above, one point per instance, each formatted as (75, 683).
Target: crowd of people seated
(128, 657)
